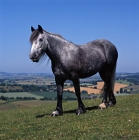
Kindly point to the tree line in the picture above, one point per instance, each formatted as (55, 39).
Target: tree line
(17, 98)
(26, 88)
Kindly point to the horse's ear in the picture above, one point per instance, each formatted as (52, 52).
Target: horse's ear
(40, 29)
(32, 29)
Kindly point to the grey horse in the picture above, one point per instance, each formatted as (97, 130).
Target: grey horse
(72, 62)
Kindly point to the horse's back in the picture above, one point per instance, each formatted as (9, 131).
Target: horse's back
(106, 48)
(91, 58)
(95, 55)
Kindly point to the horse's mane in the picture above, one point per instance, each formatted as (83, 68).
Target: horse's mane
(35, 34)
(58, 35)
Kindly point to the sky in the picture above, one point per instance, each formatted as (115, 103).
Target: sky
(79, 21)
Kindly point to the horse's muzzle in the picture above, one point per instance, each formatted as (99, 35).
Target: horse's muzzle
(33, 58)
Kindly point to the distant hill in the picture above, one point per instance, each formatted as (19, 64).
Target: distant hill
(8, 73)
(1, 72)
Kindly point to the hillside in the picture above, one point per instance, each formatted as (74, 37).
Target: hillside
(119, 122)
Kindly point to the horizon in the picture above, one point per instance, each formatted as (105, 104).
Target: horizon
(53, 74)
(77, 21)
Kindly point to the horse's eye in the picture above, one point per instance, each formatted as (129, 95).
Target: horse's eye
(40, 39)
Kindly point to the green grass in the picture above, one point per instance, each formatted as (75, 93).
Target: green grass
(23, 104)
(116, 123)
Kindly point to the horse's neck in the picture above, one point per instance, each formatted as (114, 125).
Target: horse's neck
(56, 45)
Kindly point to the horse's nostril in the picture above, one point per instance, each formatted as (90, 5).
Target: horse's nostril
(32, 56)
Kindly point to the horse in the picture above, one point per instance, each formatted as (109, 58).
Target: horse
(72, 62)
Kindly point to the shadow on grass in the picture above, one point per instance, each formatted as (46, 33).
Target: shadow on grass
(68, 111)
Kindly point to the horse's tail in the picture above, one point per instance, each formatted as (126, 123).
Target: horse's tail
(112, 82)
(113, 78)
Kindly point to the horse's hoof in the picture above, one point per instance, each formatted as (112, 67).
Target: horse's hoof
(80, 111)
(55, 113)
(102, 106)
(110, 104)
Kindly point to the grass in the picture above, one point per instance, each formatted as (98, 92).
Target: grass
(23, 104)
(116, 123)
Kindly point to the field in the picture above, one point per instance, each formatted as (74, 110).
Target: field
(117, 86)
(89, 89)
(123, 82)
(34, 122)
(36, 82)
(52, 94)
(20, 94)
(39, 95)
(99, 86)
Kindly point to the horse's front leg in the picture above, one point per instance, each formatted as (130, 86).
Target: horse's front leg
(59, 110)
(81, 108)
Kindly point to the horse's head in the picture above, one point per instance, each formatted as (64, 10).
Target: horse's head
(39, 43)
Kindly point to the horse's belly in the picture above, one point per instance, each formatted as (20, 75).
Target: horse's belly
(90, 70)
(85, 75)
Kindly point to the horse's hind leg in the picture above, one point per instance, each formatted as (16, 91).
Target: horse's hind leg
(107, 76)
(81, 108)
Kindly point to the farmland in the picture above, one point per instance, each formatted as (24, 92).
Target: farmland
(43, 85)
(96, 89)
(52, 94)
(89, 89)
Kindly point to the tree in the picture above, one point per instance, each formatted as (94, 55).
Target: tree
(125, 91)
(3, 84)
(4, 98)
(84, 92)
(121, 90)
(3, 91)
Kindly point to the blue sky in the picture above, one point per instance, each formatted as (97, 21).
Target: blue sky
(79, 21)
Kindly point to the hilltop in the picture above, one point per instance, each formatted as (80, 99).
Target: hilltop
(35, 122)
